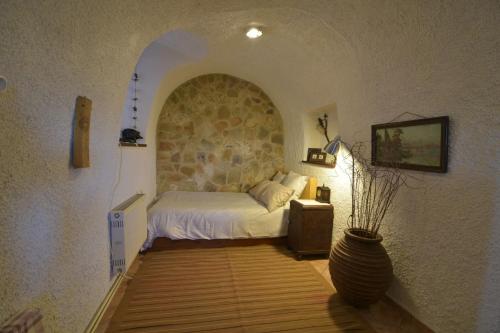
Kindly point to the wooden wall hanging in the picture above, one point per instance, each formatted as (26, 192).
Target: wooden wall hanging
(81, 129)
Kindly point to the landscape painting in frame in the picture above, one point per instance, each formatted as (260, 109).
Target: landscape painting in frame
(416, 144)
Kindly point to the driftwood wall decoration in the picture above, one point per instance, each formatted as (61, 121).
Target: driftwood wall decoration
(81, 129)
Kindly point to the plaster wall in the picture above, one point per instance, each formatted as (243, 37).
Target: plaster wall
(137, 166)
(374, 60)
(432, 59)
(173, 49)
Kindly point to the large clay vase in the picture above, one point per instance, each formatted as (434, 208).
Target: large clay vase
(360, 268)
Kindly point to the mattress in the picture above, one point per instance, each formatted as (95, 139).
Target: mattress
(213, 215)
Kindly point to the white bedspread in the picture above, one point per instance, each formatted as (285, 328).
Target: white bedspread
(213, 215)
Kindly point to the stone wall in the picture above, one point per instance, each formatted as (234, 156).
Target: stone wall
(217, 133)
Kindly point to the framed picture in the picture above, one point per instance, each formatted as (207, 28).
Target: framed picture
(311, 152)
(416, 144)
(318, 158)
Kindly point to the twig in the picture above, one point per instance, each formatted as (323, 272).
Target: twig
(373, 190)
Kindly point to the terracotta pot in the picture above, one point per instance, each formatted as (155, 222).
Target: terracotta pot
(360, 268)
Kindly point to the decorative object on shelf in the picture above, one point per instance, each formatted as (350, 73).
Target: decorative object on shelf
(311, 151)
(81, 128)
(323, 194)
(330, 160)
(323, 123)
(130, 135)
(420, 144)
(135, 99)
(360, 268)
(318, 158)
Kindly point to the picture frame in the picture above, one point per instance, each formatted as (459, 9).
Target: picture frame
(420, 144)
(310, 152)
(318, 158)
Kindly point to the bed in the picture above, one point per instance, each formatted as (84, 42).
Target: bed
(217, 215)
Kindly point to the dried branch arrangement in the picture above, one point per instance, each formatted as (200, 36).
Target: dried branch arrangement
(373, 190)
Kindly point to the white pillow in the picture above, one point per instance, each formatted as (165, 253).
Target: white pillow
(296, 182)
(275, 195)
(257, 190)
(278, 177)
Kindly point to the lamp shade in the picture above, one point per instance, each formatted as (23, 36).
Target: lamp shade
(333, 146)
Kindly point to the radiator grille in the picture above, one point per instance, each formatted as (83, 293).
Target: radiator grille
(128, 224)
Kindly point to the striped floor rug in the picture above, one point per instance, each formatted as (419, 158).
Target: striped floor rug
(251, 289)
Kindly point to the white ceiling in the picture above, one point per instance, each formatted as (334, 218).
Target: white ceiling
(295, 61)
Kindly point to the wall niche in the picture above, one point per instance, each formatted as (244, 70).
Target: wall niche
(314, 135)
(217, 133)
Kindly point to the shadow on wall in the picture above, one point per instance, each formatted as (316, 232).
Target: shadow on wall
(217, 133)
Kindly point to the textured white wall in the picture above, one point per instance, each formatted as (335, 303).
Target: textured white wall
(137, 168)
(434, 59)
(374, 60)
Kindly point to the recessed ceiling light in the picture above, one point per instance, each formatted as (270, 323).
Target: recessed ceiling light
(253, 33)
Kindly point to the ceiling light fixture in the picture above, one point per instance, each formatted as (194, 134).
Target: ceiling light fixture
(253, 33)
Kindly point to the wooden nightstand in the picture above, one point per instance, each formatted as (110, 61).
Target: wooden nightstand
(310, 227)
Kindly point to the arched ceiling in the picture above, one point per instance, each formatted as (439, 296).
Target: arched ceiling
(298, 61)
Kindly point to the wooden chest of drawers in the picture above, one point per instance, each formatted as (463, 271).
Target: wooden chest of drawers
(310, 227)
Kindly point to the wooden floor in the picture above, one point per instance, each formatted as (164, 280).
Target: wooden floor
(229, 288)
(384, 317)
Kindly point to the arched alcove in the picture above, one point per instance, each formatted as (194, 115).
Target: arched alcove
(170, 50)
(217, 132)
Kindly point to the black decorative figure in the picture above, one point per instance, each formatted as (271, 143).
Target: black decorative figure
(323, 123)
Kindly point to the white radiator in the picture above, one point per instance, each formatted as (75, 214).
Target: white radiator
(128, 225)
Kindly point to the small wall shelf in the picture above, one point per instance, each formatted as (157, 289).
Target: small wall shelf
(128, 144)
(329, 166)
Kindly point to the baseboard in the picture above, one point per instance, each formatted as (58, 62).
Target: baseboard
(94, 322)
(421, 326)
